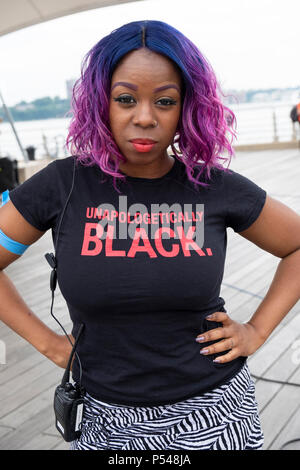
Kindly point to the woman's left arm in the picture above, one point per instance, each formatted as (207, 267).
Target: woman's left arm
(277, 231)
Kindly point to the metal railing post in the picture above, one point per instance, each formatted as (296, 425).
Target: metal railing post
(294, 132)
(275, 135)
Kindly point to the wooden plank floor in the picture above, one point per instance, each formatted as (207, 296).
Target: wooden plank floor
(28, 380)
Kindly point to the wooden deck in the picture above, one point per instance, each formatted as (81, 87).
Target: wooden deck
(28, 380)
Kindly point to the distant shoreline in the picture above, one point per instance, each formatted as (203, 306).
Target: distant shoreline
(58, 108)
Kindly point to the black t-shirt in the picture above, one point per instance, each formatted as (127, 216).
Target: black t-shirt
(142, 297)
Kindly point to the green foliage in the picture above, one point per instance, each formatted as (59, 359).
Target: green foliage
(41, 108)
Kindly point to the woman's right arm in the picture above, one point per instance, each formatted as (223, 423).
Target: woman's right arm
(13, 310)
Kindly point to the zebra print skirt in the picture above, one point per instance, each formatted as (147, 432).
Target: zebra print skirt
(225, 418)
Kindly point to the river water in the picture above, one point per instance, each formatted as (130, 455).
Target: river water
(256, 123)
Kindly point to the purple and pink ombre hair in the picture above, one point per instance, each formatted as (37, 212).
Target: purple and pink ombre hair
(206, 126)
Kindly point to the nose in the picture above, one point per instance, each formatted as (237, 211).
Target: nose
(144, 115)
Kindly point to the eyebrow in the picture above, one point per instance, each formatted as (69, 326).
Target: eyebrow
(135, 87)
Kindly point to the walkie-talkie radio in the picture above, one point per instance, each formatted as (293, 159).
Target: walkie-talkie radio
(68, 403)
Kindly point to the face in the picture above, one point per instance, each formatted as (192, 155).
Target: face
(145, 103)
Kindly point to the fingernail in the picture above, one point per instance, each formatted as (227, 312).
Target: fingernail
(208, 316)
(204, 351)
(216, 360)
(200, 338)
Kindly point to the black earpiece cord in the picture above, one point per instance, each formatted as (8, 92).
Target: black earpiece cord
(52, 260)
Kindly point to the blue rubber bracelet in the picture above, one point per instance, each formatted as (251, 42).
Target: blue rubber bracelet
(12, 245)
(5, 197)
(9, 243)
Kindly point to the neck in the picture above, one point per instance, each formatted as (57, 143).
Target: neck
(155, 169)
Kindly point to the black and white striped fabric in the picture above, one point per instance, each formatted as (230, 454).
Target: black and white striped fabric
(225, 418)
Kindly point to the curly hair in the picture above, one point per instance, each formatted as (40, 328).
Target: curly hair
(206, 127)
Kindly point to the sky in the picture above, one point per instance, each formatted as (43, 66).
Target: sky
(249, 43)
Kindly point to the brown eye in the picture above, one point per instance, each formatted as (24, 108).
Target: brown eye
(125, 99)
(167, 101)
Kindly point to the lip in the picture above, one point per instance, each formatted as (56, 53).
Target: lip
(143, 141)
(144, 147)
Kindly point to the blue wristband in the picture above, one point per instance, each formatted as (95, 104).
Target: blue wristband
(5, 197)
(9, 243)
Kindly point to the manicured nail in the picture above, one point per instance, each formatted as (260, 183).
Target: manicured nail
(200, 338)
(216, 360)
(208, 316)
(204, 351)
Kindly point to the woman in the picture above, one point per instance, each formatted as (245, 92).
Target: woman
(142, 249)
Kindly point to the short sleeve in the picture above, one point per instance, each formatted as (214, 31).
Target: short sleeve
(36, 198)
(244, 201)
